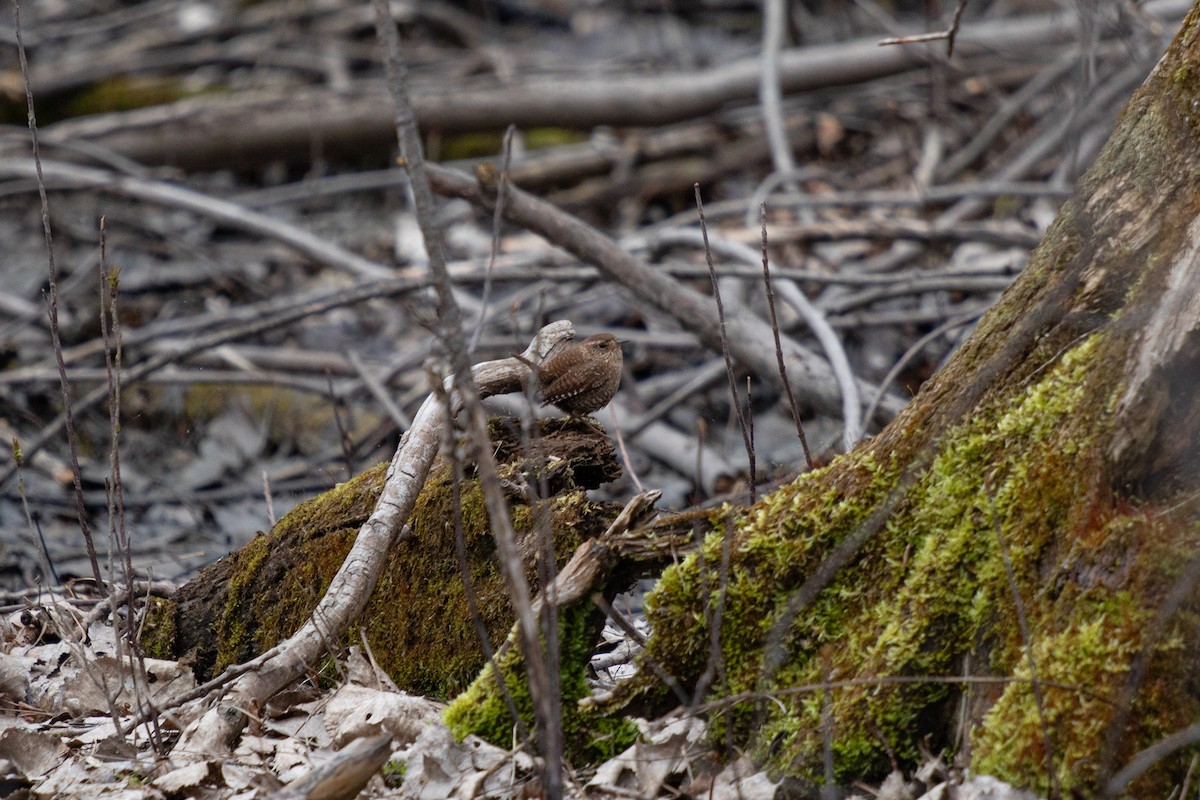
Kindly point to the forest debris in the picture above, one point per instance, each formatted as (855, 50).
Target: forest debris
(344, 774)
(187, 777)
(646, 766)
(851, 136)
(356, 711)
(14, 676)
(292, 759)
(742, 780)
(978, 787)
(31, 753)
(85, 683)
(440, 768)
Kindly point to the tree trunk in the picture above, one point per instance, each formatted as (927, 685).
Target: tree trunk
(1017, 550)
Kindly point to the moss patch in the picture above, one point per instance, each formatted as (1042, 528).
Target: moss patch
(588, 737)
(418, 621)
(929, 594)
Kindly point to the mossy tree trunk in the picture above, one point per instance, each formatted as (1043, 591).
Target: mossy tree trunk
(1030, 521)
(439, 586)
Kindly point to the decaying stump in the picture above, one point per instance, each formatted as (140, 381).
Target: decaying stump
(418, 621)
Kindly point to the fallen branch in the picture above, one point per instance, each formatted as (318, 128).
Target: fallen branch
(352, 585)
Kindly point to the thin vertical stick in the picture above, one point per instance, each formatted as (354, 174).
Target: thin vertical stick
(737, 407)
(497, 221)
(750, 433)
(624, 452)
(787, 387)
(52, 303)
(543, 686)
(1023, 625)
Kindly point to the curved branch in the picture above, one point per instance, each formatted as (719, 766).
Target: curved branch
(355, 580)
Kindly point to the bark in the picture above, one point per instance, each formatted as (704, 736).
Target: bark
(1018, 546)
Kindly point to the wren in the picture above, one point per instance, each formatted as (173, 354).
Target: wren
(584, 377)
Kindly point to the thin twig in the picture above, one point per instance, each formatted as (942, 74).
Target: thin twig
(729, 371)
(110, 327)
(625, 452)
(319, 249)
(343, 435)
(268, 500)
(49, 573)
(497, 221)
(753, 467)
(835, 353)
(451, 334)
(949, 34)
(379, 392)
(829, 786)
(52, 303)
(285, 315)
(1147, 758)
(1026, 639)
(464, 568)
(1152, 633)
(770, 94)
(911, 353)
(787, 387)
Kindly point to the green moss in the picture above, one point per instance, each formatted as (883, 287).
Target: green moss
(395, 769)
(588, 736)
(929, 595)
(1027, 483)
(919, 596)
(159, 626)
(126, 94)
(1091, 654)
(483, 144)
(433, 648)
(419, 621)
(1112, 584)
(234, 626)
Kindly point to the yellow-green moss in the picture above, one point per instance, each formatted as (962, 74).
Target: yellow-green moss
(433, 647)
(588, 736)
(927, 590)
(159, 624)
(418, 620)
(126, 94)
(482, 144)
(1091, 654)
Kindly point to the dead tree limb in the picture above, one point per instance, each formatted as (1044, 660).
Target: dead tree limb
(352, 586)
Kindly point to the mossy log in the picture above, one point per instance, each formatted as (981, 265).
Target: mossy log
(419, 621)
(1010, 568)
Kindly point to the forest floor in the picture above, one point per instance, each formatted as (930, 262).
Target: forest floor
(231, 169)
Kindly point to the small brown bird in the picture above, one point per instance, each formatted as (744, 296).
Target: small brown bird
(584, 377)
